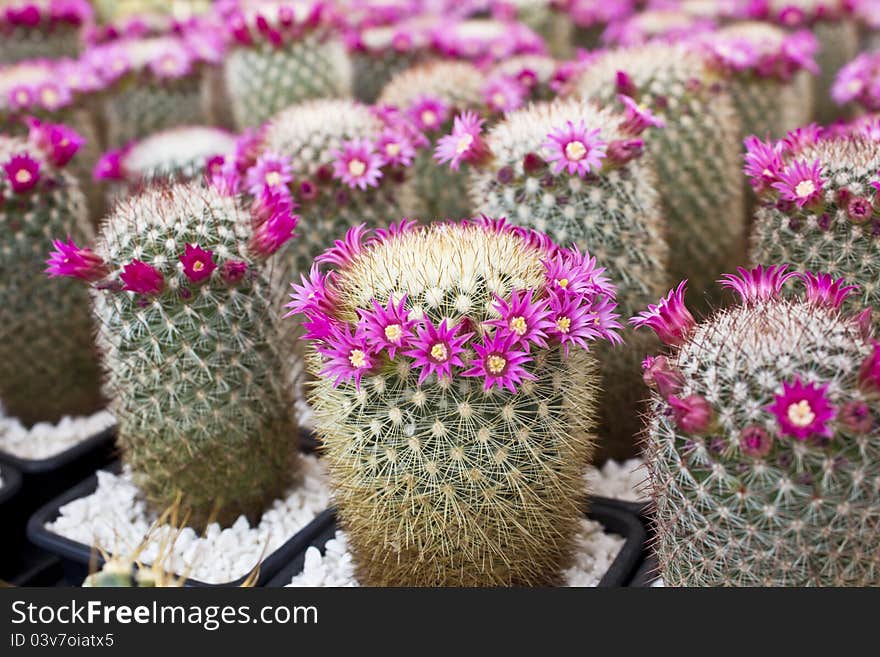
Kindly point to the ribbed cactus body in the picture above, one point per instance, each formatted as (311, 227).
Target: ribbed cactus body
(838, 44)
(433, 191)
(697, 154)
(196, 373)
(548, 21)
(180, 153)
(48, 367)
(616, 215)
(372, 71)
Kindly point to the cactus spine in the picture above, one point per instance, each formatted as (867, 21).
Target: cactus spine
(48, 367)
(763, 447)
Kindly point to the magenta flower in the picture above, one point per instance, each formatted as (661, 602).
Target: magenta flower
(141, 278)
(109, 166)
(23, 172)
(859, 209)
(670, 319)
(357, 164)
(58, 142)
(270, 171)
(754, 441)
(70, 260)
(343, 252)
(571, 272)
(499, 362)
(312, 295)
(763, 162)
(394, 229)
(657, 372)
(389, 327)
(800, 139)
(857, 417)
(464, 144)
(621, 151)
(803, 410)
(527, 319)
(575, 149)
(53, 96)
(174, 63)
(274, 222)
(227, 180)
(801, 183)
(571, 322)
(198, 263)
(823, 290)
(638, 118)
(233, 271)
(395, 148)
(869, 372)
(429, 114)
(436, 349)
(693, 414)
(504, 94)
(759, 283)
(20, 97)
(348, 356)
(854, 79)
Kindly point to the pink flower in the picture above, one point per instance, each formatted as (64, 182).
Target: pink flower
(141, 278)
(343, 252)
(803, 410)
(638, 118)
(271, 171)
(659, 373)
(621, 151)
(109, 166)
(357, 164)
(436, 349)
(227, 180)
(347, 354)
(800, 139)
(571, 322)
(395, 148)
(20, 97)
(429, 114)
(394, 229)
(571, 272)
(670, 319)
(527, 319)
(693, 414)
(823, 290)
(274, 222)
(464, 144)
(58, 142)
(23, 172)
(763, 162)
(625, 84)
(499, 362)
(198, 263)
(70, 260)
(869, 372)
(759, 283)
(504, 94)
(312, 296)
(233, 271)
(389, 327)
(754, 441)
(574, 149)
(53, 96)
(857, 417)
(859, 209)
(801, 183)
(173, 64)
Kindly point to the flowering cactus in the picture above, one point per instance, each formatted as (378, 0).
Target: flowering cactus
(697, 153)
(763, 445)
(484, 41)
(858, 83)
(48, 368)
(546, 18)
(455, 397)
(577, 173)
(283, 53)
(666, 24)
(817, 211)
(35, 29)
(592, 17)
(196, 368)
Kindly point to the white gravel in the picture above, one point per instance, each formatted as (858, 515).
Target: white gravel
(44, 440)
(115, 517)
(621, 481)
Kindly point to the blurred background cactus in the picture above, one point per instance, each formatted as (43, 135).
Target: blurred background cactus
(35, 29)
(763, 446)
(455, 399)
(48, 367)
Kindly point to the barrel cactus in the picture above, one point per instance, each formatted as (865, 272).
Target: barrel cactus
(455, 398)
(195, 362)
(48, 365)
(697, 154)
(36, 29)
(282, 53)
(763, 447)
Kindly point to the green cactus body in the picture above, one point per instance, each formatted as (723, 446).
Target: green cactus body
(48, 366)
(121, 572)
(545, 19)
(433, 191)
(50, 38)
(196, 370)
(764, 457)
(838, 45)
(449, 481)
(697, 153)
(616, 215)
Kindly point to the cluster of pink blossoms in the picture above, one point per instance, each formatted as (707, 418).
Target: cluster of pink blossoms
(26, 14)
(276, 23)
(803, 409)
(58, 85)
(57, 144)
(859, 82)
(574, 307)
(794, 14)
(736, 54)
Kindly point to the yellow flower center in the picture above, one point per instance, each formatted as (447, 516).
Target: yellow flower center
(801, 414)
(805, 188)
(429, 117)
(273, 178)
(357, 167)
(496, 364)
(169, 64)
(392, 149)
(562, 282)
(575, 150)
(393, 332)
(518, 325)
(855, 86)
(464, 143)
(440, 352)
(499, 99)
(23, 176)
(50, 96)
(198, 265)
(22, 96)
(563, 324)
(357, 358)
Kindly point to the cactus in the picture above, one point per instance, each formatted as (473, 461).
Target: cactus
(856, 83)
(432, 93)
(36, 29)
(485, 41)
(697, 154)
(613, 210)
(544, 17)
(456, 450)
(538, 76)
(48, 368)
(667, 24)
(763, 447)
(591, 18)
(818, 203)
(195, 366)
(283, 53)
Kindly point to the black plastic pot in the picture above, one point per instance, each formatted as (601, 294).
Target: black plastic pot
(77, 558)
(10, 484)
(615, 516)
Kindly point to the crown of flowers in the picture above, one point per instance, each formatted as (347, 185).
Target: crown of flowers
(859, 82)
(277, 23)
(400, 36)
(46, 85)
(53, 144)
(802, 409)
(574, 307)
(587, 13)
(655, 25)
(790, 14)
(483, 41)
(31, 14)
(763, 57)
